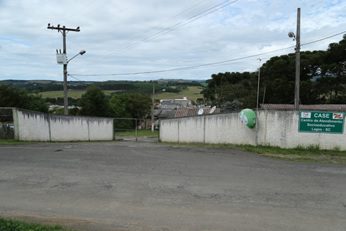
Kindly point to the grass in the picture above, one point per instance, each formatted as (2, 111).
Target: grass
(191, 93)
(76, 94)
(140, 133)
(12, 141)
(15, 225)
(309, 154)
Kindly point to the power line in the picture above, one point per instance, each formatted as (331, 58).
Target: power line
(194, 18)
(319, 40)
(148, 34)
(212, 63)
(189, 20)
(71, 76)
(188, 67)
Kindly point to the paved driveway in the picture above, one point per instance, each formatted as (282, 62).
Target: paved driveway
(145, 186)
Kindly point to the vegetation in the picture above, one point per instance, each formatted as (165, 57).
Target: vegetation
(15, 225)
(12, 142)
(94, 103)
(14, 97)
(74, 94)
(53, 89)
(130, 105)
(191, 92)
(323, 81)
(310, 154)
(140, 133)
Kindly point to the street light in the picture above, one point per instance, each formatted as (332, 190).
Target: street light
(82, 52)
(62, 59)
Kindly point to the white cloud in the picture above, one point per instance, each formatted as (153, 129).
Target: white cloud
(115, 35)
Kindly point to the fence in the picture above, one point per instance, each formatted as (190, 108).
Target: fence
(6, 123)
(28, 125)
(133, 129)
(36, 126)
(275, 128)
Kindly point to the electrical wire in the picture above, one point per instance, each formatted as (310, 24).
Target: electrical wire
(189, 20)
(212, 63)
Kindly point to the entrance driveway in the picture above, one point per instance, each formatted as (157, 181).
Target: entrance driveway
(147, 186)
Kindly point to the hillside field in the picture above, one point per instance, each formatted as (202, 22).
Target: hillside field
(192, 93)
(76, 94)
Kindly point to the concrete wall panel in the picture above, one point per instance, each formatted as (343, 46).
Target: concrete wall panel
(32, 126)
(226, 129)
(100, 129)
(35, 126)
(69, 128)
(169, 130)
(275, 128)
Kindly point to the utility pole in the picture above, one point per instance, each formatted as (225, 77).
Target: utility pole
(297, 83)
(64, 31)
(257, 98)
(258, 84)
(152, 108)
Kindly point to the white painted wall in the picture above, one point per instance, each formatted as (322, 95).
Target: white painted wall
(68, 128)
(280, 128)
(100, 129)
(170, 133)
(275, 128)
(31, 126)
(226, 128)
(35, 126)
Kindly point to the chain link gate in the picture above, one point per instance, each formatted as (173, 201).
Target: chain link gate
(132, 129)
(6, 124)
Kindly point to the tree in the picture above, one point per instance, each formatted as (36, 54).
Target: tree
(232, 90)
(14, 97)
(94, 102)
(322, 80)
(130, 105)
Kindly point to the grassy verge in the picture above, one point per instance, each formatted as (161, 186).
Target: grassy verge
(310, 154)
(15, 225)
(140, 133)
(11, 141)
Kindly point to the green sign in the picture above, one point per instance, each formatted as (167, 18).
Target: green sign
(321, 122)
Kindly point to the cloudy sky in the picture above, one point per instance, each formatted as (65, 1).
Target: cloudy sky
(149, 35)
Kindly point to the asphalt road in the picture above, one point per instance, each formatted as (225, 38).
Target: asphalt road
(144, 186)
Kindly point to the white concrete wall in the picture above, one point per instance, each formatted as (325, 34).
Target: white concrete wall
(170, 132)
(100, 129)
(191, 130)
(227, 128)
(35, 126)
(31, 126)
(68, 128)
(280, 128)
(275, 128)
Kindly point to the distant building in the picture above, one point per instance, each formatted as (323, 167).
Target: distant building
(174, 103)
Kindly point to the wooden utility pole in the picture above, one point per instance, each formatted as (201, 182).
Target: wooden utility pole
(152, 108)
(64, 31)
(297, 82)
(257, 97)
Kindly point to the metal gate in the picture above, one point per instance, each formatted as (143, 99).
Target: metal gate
(6, 123)
(132, 129)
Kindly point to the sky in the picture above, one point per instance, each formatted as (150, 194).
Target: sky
(127, 37)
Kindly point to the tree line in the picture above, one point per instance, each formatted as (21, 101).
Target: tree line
(92, 103)
(323, 81)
